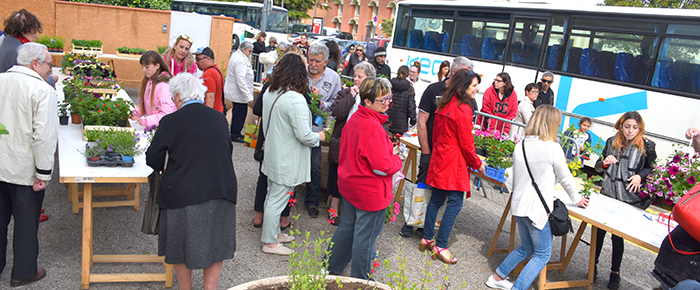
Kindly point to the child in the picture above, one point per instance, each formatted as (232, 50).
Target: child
(577, 139)
(154, 99)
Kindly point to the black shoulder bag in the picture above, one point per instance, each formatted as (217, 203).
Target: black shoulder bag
(259, 154)
(559, 221)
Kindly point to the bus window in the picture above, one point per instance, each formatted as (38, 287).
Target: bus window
(401, 32)
(615, 56)
(678, 67)
(252, 17)
(431, 34)
(236, 13)
(553, 55)
(527, 40)
(480, 39)
(277, 21)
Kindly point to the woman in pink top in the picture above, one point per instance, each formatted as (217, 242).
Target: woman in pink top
(178, 58)
(155, 100)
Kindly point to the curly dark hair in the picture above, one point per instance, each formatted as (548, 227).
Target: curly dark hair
(290, 74)
(21, 22)
(333, 51)
(507, 84)
(459, 83)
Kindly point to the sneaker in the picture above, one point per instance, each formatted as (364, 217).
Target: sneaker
(313, 211)
(503, 284)
(614, 282)
(279, 250)
(406, 231)
(285, 239)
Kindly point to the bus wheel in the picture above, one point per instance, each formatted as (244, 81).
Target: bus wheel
(235, 43)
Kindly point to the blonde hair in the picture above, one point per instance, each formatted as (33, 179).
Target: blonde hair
(295, 50)
(544, 123)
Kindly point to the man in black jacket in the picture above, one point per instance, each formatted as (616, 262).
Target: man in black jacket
(379, 63)
(546, 96)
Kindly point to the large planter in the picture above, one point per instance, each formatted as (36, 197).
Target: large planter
(280, 281)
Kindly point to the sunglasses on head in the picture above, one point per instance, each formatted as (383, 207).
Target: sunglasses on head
(185, 37)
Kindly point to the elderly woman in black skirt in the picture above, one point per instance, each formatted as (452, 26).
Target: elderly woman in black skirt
(197, 193)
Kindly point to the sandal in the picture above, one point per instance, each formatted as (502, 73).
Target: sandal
(282, 228)
(450, 260)
(427, 244)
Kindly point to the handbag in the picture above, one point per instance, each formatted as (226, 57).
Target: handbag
(559, 220)
(151, 213)
(259, 153)
(687, 213)
(415, 204)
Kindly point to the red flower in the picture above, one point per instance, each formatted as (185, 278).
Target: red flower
(98, 111)
(104, 105)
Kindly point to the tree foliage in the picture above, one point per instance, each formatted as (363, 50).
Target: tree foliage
(298, 8)
(147, 4)
(685, 4)
(387, 26)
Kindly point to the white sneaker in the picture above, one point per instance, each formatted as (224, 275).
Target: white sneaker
(279, 250)
(503, 284)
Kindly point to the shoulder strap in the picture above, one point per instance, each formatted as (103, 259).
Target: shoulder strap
(270, 116)
(533, 181)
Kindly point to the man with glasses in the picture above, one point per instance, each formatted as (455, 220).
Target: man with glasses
(272, 44)
(239, 87)
(546, 96)
(326, 83)
(28, 110)
(213, 79)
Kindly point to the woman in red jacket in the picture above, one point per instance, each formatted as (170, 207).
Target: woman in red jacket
(367, 162)
(453, 154)
(500, 100)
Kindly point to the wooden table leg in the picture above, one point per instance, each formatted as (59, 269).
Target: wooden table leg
(591, 257)
(73, 194)
(414, 162)
(87, 236)
(511, 242)
(543, 278)
(411, 159)
(565, 261)
(129, 190)
(506, 211)
(168, 275)
(137, 196)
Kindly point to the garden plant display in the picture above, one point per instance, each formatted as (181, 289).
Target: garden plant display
(86, 43)
(498, 148)
(54, 44)
(576, 165)
(70, 59)
(130, 50)
(113, 147)
(95, 110)
(672, 179)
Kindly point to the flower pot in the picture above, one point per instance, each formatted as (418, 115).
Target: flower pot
(63, 120)
(75, 119)
(127, 158)
(280, 281)
(94, 158)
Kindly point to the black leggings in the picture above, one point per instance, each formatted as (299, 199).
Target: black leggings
(261, 193)
(333, 180)
(618, 249)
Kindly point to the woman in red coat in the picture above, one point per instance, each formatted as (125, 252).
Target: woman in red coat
(453, 154)
(367, 163)
(500, 100)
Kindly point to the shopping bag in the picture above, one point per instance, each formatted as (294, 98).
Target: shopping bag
(415, 204)
(151, 212)
(251, 133)
(687, 212)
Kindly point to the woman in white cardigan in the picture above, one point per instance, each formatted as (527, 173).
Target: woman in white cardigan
(547, 163)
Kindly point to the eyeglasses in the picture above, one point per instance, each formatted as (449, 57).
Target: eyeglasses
(185, 37)
(358, 50)
(275, 42)
(547, 82)
(200, 58)
(384, 101)
(497, 81)
(534, 92)
(49, 63)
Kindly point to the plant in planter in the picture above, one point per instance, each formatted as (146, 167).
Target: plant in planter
(575, 166)
(129, 50)
(93, 71)
(93, 153)
(87, 46)
(316, 107)
(63, 112)
(162, 48)
(671, 180)
(308, 262)
(54, 44)
(126, 144)
(70, 59)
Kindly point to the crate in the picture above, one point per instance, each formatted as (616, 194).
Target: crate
(86, 49)
(496, 174)
(130, 55)
(111, 159)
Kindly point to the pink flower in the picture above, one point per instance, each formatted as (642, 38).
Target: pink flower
(392, 219)
(673, 170)
(691, 180)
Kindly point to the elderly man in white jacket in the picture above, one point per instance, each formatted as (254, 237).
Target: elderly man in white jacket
(239, 88)
(28, 110)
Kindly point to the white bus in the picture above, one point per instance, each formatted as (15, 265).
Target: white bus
(247, 17)
(606, 60)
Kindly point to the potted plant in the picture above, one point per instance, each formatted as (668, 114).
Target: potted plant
(126, 144)
(71, 59)
(86, 46)
(54, 44)
(576, 166)
(130, 52)
(93, 153)
(671, 180)
(63, 112)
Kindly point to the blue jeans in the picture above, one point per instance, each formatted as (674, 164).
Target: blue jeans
(355, 239)
(313, 188)
(238, 114)
(454, 205)
(534, 241)
(687, 285)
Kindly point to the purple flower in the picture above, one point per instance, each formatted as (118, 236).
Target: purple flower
(673, 170)
(668, 201)
(691, 180)
(643, 194)
(676, 158)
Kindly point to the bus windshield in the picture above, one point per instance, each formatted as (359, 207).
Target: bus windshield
(277, 21)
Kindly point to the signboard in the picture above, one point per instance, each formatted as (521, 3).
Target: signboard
(196, 26)
(317, 26)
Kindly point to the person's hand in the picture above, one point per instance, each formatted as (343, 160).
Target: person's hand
(583, 203)
(354, 89)
(140, 121)
(691, 133)
(609, 160)
(315, 90)
(323, 136)
(39, 185)
(635, 183)
(581, 149)
(134, 118)
(397, 149)
(482, 168)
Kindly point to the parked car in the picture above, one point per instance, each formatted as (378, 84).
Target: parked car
(380, 42)
(311, 37)
(342, 35)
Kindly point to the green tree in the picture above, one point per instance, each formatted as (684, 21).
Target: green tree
(387, 26)
(147, 4)
(685, 4)
(298, 9)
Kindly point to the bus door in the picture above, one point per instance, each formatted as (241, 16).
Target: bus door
(526, 46)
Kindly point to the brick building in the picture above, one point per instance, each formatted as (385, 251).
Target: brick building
(356, 16)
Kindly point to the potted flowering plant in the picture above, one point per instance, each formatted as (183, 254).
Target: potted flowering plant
(54, 44)
(575, 165)
(63, 112)
(126, 144)
(316, 107)
(70, 59)
(671, 180)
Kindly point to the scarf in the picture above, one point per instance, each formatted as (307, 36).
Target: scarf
(616, 175)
